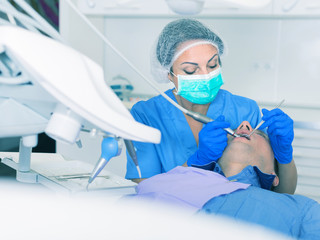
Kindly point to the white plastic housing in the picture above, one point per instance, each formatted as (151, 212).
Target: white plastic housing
(186, 7)
(75, 81)
(64, 125)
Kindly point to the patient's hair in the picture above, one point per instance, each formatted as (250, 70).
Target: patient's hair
(276, 167)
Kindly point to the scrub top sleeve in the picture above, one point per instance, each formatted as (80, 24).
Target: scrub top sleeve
(147, 159)
(147, 155)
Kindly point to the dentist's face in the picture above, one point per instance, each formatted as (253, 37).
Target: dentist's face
(197, 60)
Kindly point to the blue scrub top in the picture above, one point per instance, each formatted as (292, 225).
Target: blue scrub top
(177, 141)
(293, 215)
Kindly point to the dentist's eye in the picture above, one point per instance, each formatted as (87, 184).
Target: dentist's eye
(212, 67)
(189, 73)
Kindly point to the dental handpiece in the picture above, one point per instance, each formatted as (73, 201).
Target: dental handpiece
(205, 119)
(133, 155)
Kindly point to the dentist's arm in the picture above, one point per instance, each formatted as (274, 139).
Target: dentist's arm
(288, 178)
(280, 132)
(212, 142)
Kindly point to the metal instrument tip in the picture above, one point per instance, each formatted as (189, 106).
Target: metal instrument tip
(245, 136)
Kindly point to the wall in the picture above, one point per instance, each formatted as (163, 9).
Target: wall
(268, 59)
(274, 53)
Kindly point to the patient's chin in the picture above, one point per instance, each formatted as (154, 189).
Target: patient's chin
(238, 157)
(238, 150)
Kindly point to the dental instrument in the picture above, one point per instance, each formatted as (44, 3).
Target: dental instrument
(132, 152)
(205, 119)
(279, 104)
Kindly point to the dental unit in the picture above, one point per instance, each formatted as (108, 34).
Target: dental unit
(50, 87)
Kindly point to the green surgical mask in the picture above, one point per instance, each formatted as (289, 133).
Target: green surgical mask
(200, 89)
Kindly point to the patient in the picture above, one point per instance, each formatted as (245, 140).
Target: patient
(244, 194)
(242, 152)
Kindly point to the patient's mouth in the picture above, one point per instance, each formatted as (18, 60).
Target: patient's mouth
(245, 136)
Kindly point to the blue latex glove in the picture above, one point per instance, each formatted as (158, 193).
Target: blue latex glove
(280, 131)
(212, 142)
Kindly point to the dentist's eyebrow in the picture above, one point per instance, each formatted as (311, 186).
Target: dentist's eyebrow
(212, 57)
(196, 64)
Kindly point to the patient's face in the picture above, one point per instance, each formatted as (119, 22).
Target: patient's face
(242, 152)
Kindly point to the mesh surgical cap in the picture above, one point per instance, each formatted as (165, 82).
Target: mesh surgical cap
(171, 37)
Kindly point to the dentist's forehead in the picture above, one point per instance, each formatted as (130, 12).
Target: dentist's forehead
(190, 44)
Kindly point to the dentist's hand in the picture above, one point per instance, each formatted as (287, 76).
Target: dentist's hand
(212, 142)
(280, 131)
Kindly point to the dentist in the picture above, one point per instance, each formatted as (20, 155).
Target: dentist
(188, 54)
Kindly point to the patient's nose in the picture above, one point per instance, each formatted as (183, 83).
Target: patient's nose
(245, 125)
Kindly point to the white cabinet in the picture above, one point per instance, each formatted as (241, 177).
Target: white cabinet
(124, 7)
(160, 8)
(216, 8)
(297, 7)
(212, 8)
